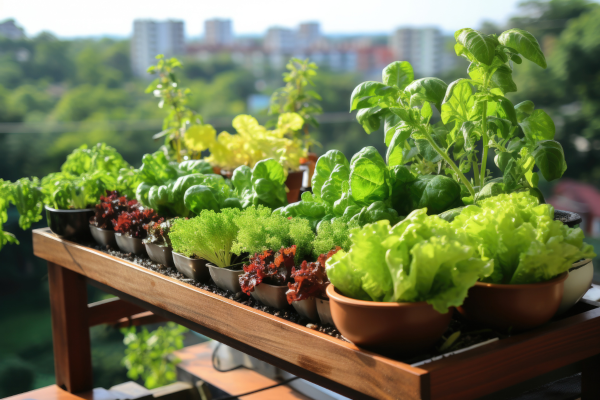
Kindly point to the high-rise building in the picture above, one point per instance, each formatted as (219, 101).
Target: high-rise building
(10, 30)
(151, 38)
(422, 47)
(280, 40)
(308, 34)
(218, 32)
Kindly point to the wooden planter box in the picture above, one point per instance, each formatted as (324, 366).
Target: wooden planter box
(572, 343)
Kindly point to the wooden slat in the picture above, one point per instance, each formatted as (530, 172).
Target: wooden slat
(145, 318)
(53, 392)
(110, 311)
(70, 330)
(312, 355)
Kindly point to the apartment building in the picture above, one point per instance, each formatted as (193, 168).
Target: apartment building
(422, 47)
(155, 37)
(218, 32)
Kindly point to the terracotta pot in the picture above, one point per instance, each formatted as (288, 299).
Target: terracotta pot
(271, 295)
(70, 224)
(227, 279)
(160, 254)
(216, 170)
(129, 244)
(324, 311)
(307, 308)
(104, 237)
(193, 268)
(390, 328)
(577, 284)
(294, 183)
(513, 308)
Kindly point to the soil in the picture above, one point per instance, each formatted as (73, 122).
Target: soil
(469, 335)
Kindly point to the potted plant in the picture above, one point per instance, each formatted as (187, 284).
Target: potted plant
(267, 276)
(395, 289)
(158, 244)
(532, 254)
(210, 236)
(310, 282)
(110, 206)
(130, 228)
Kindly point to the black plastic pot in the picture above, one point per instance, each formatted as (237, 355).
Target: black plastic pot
(568, 218)
(193, 268)
(104, 237)
(129, 244)
(160, 254)
(271, 295)
(70, 224)
(225, 278)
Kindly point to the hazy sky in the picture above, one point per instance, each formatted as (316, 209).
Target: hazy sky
(69, 18)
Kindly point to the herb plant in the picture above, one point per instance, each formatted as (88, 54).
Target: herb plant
(158, 232)
(476, 117)
(310, 280)
(109, 208)
(209, 236)
(264, 185)
(331, 235)
(297, 97)
(147, 355)
(270, 267)
(135, 221)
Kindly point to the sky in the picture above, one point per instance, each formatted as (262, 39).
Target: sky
(76, 18)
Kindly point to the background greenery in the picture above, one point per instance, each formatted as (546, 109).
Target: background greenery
(70, 92)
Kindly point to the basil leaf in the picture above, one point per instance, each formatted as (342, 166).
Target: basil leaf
(428, 89)
(550, 159)
(481, 46)
(399, 74)
(538, 126)
(395, 151)
(524, 109)
(369, 94)
(457, 101)
(525, 43)
(370, 118)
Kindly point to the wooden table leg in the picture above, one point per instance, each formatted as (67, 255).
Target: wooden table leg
(590, 379)
(70, 331)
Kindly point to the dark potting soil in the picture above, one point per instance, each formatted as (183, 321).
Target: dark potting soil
(467, 336)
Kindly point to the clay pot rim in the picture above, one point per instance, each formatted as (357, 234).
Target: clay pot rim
(334, 294)
(560, 278)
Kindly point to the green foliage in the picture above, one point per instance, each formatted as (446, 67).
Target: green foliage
(209, 236)
(297, 97)
(5, 196)
(264, 185)
(419, 259)
(473, 111)
(520, 234)
(260, 230)
(331, 234)
(147, 353)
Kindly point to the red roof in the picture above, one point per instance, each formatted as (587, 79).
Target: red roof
(567, 193)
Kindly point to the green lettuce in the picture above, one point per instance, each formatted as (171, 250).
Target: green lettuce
(520, 234)
(421, 258)
(263, 185)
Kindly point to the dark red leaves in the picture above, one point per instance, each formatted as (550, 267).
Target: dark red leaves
(273, 269)
(310, 280)
(134, 222)
(109, 208)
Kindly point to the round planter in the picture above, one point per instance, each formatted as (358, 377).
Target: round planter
(226, 279)
(216, 170)
(568, 218)
(294, 183)
(324, 311)
(577, 283)
(513, 308)
(160, 254)
(104, 237)
(271, 295)
(193, 268)
(129, 244)
(391, 328)
(70, 224)
(307, 308)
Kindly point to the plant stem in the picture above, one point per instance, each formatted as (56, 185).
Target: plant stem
(485, 145)
(476, 170)
(451, 163)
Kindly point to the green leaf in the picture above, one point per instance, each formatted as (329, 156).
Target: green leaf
(550, 159)
(370, 118)
(538, 126)
(525, 43)
(500, 126)
(392, 122)
(458, 101)
(368, 177)
(426, 111)
(481, 46)
(428, 89)
(399, 74)
(470, 135)
(369, 94)
(524, 110)
(507, 111)
(394, 155)
(502, 79)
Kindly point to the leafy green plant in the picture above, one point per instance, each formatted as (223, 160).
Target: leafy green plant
(522, 238)
(209, 236)
(475, 114)
(297, 97)
(263, 185)
(259, 229)
(147, 353)
(419, 259)
(5, 195)
(332, 234)
(182, 126)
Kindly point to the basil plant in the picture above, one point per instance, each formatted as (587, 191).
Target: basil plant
(476, 118)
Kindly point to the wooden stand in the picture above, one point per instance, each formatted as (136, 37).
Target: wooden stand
(329, 362)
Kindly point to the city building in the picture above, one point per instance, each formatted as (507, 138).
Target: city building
(280, 40)
(308, 34)
(218, 32)
(10, 30)
(422, 47)
(155, 37)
